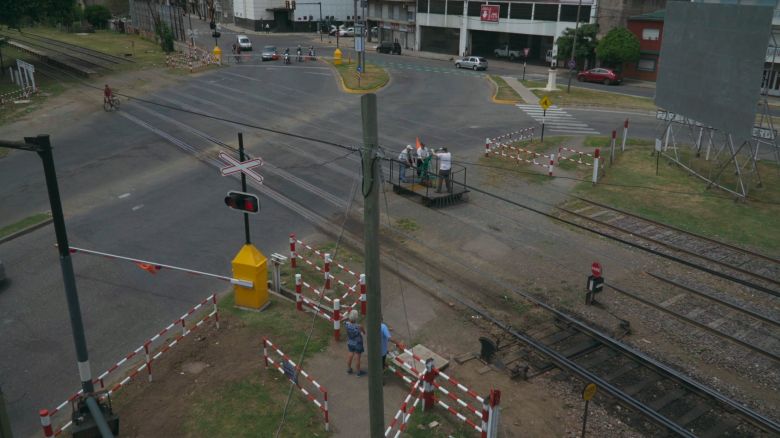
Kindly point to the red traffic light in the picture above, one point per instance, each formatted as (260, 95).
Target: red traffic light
(245, 202)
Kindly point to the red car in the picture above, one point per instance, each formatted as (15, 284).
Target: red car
(603, 75)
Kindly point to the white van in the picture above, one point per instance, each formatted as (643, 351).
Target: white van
(243, 42)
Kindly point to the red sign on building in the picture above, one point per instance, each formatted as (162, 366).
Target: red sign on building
(489, 13)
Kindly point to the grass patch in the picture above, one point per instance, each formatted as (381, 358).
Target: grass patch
(48, 87)
(4, 152)
(419, 421)
(503, 90)
(528, 172)
(24, 223)
(252, 406)
(374, 77)
(407, 224)
(587, 97)
(679, 199)
(145, 53)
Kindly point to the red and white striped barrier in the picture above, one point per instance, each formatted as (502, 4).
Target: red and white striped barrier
(145, 364)
(577, 156)
(500, 153)
(403, 414)
(523, 134)
(296, 371)
(486, 411)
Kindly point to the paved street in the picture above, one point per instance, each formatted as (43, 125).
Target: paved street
(142, 182)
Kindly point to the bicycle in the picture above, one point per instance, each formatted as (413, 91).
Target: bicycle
(111, 104)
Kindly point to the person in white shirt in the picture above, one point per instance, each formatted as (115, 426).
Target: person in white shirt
(422, 154)
(405, 161)
(445, 165)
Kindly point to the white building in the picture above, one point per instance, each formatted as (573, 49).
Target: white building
(455, 27)
(280, 16)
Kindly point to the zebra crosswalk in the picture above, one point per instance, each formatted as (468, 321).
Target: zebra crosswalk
(557, 120)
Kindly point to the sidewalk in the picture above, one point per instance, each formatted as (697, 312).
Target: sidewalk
(527, 95)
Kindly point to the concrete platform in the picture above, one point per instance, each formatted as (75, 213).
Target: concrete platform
(422, 352)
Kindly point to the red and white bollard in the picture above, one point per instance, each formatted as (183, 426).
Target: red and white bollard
(147, 350)
(625, 135)
(46, 423)
(293, 256)
(596, 154)
(265, 351)
(560, 152)
(298, 292)
(612, 148)
(327, 417)
(362, 294)
(485, 417)
(216, 309)
(428, 400)
(336, 319)
(493, 417)
(487, 147)
(552, 162)
(326, 269)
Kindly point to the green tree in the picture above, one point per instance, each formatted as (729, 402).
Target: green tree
(586, 42)
(14, 12)
(97, 15)
(617, 47)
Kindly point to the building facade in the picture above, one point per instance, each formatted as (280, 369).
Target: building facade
(479, 27)
(255, 14)
(393, 20)
(616, 13)
(649, 29)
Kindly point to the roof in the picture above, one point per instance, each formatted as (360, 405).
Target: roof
(650, 16)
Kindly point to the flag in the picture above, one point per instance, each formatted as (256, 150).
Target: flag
(152, 269)
(419, 144)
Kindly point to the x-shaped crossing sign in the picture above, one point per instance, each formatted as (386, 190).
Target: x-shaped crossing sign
(236, 166)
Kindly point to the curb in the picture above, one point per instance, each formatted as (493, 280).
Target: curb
(495, 93)
(27, 230)
(346, 89)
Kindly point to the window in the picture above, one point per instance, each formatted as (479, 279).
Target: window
(422, 6)
(521, 11)
(569, 13)
(437, 7)
(395, 12)
(410, 14)
(546, 12)
(650, 34)
(503, 10)
(455, 7)
(646, 64)
(475, 9)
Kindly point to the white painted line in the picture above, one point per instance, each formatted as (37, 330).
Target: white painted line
(138, 207)
(124, 195)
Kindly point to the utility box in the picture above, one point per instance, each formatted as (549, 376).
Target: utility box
(594, 286)
(251, 265)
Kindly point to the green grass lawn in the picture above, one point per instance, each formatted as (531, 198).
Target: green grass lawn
(503, 90)
(48, 86)
(587, 97)
(24, 223)
(677, 198)
(374, 77)
(252, 406)
(448, 426)
(145, 53)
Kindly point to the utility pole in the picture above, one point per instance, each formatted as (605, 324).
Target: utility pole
(371, 182)
(574, 46)
(5, 423)
(243, 184)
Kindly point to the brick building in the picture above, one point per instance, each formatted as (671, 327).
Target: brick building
(649, 28)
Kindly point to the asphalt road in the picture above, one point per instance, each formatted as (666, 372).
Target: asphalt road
(143, 182)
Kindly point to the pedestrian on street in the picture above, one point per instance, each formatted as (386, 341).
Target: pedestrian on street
(267, 28)
(405, 162)
(355, 333)
(445, 167)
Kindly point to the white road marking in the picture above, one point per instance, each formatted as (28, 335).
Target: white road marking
(138, 207)
(124, 195)
(556, 119)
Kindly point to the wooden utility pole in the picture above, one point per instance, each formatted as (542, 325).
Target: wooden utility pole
(371, 182)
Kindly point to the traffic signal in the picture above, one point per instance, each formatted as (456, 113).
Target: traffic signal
(212, 25)
(245, 202)
(293, 5)
(216, 34)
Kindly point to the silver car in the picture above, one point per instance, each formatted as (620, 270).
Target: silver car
(473, 62)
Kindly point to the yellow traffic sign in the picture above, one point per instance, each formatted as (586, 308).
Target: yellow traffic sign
(589, 392)
(545, 102)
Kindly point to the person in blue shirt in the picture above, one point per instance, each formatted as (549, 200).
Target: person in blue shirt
(354, 342)
(384, 341)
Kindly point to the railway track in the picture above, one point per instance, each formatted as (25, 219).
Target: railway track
(65, 56)
(80, 49)
(739, 265)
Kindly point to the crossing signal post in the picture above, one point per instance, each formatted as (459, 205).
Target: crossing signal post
(242, 201)
(595, 283)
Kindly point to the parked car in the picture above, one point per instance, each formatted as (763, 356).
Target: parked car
(505, 52)
(348, 32)
(473, 62)
(269, 53)
(604, 75)
(388, 47)
(244, 43)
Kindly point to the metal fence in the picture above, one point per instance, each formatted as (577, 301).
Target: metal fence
(142, 18)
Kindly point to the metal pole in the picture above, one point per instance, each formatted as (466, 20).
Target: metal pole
(574, 45)
(243, 184)
(320, 22)
(544, 114)
(354, 26)
(45, 152)
(5, 423)
(585, 418)
(100, 421)
(189, 17)
(371, 183)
